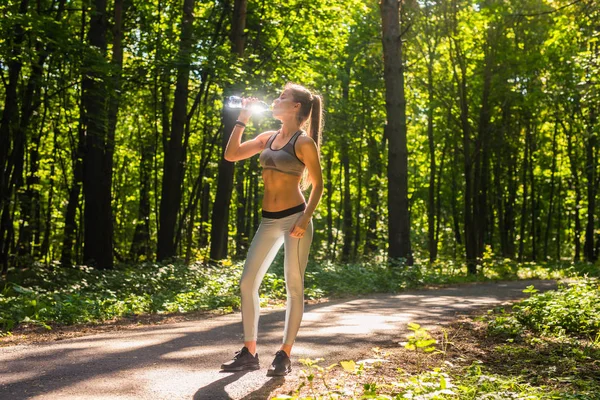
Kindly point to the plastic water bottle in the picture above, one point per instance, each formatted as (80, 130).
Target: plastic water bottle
(255, 108)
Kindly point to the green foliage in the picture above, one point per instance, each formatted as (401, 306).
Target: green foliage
(572, 309)
(80, 295)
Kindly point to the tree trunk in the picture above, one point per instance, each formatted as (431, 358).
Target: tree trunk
(575, 183)
(347, 204)
(329, 202)
(454, 188)
(431, 204)
(171, 191)
(589, 249)
(241, 241)
(373, 186)
(523, 218)
(220, 216)
(551, 200)
(534, 203)
(140, 245)
(98, 248)
(399, 246)
(482, 158)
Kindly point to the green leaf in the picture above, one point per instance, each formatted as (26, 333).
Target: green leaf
(349, 366)
(413, 327)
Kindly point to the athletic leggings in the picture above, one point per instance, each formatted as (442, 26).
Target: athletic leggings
(271, 234)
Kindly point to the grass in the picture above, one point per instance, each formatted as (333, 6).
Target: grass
(476, 358)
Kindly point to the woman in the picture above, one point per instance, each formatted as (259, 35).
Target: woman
(290, 161)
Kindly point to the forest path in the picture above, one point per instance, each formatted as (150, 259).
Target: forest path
(182, 360)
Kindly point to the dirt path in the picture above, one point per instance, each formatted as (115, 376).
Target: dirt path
(181, 360)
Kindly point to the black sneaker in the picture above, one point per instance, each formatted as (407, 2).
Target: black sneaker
(241, 361)
(281, 365)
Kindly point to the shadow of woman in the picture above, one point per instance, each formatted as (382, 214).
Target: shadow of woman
(216, 390)
(265, 390)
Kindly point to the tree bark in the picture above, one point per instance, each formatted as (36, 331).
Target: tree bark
(399, 245)
(589, 249)
(220, 216)
(171, 191)
(9, 142)
(551, 200)
(575, 184)
(98, 249)
(523, 218)
(347, 204)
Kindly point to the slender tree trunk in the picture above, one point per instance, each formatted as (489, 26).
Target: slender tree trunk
(204, 215)
(469, 193)
(523, 217)
(482, 157)
(577, 188)
(454, 188)
(592, 185)
(431, 209)
(140, 245)
(347, 204)
(241, 241)
(329, 202)
(358, 215)
(171, 191)
(399, 246)
(534, 203)
(438, 206)
(98, 249)
(8, 139)
(220, 215)
(373, 175)
(559, 221)
(551, 200)
(120, 10)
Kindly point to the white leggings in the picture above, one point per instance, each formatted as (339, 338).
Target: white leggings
(267, 241)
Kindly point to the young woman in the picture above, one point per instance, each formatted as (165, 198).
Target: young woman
(290, 161)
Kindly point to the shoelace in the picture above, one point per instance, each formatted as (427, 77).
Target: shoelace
(237, 354)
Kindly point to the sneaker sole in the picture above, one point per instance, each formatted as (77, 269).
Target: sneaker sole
(242, 368)
(286, 372)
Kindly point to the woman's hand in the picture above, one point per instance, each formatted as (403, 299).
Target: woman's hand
(246, 113)
(300, 226)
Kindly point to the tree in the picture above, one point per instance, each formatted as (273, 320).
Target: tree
(171, 192)
(399, 221)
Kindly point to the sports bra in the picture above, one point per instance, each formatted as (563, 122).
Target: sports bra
(284, 159)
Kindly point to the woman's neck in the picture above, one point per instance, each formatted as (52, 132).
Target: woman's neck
(289, 128)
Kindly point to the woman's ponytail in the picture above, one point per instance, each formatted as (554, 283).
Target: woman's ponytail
(316, 116)
(310, 117)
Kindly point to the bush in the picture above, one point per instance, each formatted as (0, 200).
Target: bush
(572, 309)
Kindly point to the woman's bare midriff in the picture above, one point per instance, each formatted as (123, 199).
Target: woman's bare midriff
(282, 191)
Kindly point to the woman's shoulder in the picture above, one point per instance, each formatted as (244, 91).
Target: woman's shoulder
(265, 136)
(305, 144)
(305, 140)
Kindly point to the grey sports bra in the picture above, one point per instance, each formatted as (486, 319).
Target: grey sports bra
(284, 159)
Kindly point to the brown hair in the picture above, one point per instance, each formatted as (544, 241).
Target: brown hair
(309, 118)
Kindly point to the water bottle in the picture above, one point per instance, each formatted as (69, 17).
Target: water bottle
(255, 108)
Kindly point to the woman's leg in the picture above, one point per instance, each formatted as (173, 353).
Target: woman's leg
(265, 245)
(296, 258)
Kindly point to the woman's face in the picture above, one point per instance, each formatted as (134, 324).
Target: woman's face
(285, 106)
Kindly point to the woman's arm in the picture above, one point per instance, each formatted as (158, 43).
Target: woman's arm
(235, 150)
